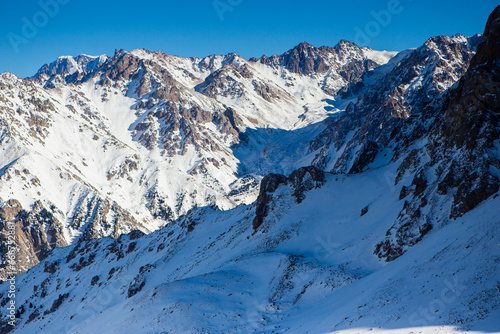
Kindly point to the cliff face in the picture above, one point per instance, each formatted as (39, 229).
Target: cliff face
(458, 160)
(399, 89)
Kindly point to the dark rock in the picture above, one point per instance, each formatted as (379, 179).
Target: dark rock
(305, 179)
(364, 211)
(94, 280)
(131, 247)
(404, 192)
(111, 272)
(420, 183)
(135, 288)
(300, 180)
(57, 303)
(406, 236)
(51, 267)
(461, 128)
(471, 192)
(136, 234)
(365, 157)
(268, 185)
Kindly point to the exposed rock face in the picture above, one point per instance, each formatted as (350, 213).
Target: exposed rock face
(301, 181)
(35, 233)
(437, 140)
(471, 123)
(345, 62)
(222, 82)
(304, 179)
(268, 186)
(107, 219)
(459, 150)
(303, 59)
(33, 116)
(442, 61)
(9, 210)
(366, 156)
(474, 189)
(170, 117)
(136, 140)
(403, 90)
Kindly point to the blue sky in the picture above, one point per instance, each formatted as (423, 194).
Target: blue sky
(203, 27)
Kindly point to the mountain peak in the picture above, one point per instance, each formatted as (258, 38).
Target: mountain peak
(344, 42)
(348, 163)
(304, 49)
(70, 65)
(490, 45)
(304, 45)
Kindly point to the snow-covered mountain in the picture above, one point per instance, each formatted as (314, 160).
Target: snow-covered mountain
(101, 146)
(323, 190)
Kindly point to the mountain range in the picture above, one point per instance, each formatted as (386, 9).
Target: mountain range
(325, 190)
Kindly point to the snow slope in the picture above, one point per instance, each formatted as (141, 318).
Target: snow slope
(311, 269)
(111, 144)
(145, 194)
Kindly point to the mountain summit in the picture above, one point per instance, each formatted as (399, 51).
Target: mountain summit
(333, 189)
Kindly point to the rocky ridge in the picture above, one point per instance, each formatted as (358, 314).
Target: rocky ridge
(177, 133)
(417, 189)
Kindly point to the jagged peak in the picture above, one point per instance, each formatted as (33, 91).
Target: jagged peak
(302, 48)
(70, 65)
(8, 76)
(441, 40)
(118, 52)
(305, 49)
(304, 45)
(141, 53)
(345, 43)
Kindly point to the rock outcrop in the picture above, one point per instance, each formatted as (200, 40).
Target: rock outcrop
(300, 181)
(462, 161)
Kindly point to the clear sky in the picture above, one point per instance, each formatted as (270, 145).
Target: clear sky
(35, 32)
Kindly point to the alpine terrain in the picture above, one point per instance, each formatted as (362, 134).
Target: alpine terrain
(325, 190)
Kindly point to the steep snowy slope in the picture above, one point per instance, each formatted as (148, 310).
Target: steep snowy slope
(309, 268)
(100, 146)
(407, 242)
(400, 89)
